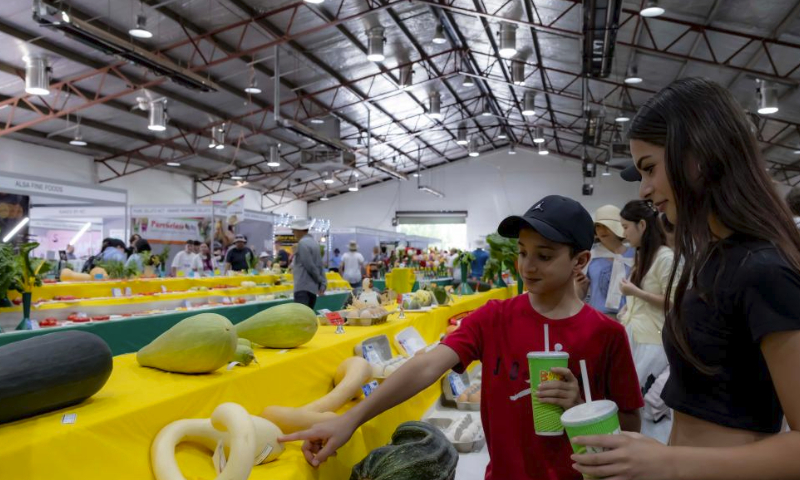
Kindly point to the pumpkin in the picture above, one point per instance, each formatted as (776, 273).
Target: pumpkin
(283, 326)
(68, 275)
(51, 371)
(418, 451)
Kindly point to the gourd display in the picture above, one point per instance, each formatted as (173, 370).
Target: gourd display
(68, 275)
(198, 344)
(51, 371)
(283, 326)
(248, 440)
(418, 451)
(350, 376)
(243, 355)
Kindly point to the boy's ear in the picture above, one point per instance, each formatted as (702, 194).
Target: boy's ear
(581, 260)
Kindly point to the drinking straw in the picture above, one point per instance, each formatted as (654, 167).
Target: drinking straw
(586, 390)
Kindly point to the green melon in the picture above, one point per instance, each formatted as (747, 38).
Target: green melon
(198, 344)
(283, 326)
(418, 451)
(243, 355)
(245, 342)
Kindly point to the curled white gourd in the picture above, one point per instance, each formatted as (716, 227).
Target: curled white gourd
(262, 444)
(350, 376)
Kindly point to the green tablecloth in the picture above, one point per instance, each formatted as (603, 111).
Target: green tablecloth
(380, 285)
(130, 334)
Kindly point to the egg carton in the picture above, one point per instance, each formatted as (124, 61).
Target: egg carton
(452, 385)
(379, 355)
(464, 432)
(467, 405)
(410, 342)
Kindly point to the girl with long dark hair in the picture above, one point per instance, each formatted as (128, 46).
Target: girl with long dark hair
(733, 334)
(643, 314)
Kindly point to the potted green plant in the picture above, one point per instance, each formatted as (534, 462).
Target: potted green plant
(504, 251)
(27, 275)
(7, 272)
(155, 262)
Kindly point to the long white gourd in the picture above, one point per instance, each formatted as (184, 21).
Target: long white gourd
(234, 419)
(201, 431)
(350, 376)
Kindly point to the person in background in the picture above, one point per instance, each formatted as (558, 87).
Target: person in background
(114, 251)
(353, 267)
(450, 259)
(218, 257)
(733, 335)
(481, 256)
(611, 262)
(90, 262)
(643, 313)
(70, 252)
(141, 245)
(238, 258)
(308, 271)
(134, 238)
(793, 200)
(208, 262)
(283, 257)
(336, 260)
(183, 261)
(265, 260)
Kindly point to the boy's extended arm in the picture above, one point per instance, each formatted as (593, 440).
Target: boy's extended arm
(323, 439)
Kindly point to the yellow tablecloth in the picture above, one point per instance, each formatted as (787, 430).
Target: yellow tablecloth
(113, 430)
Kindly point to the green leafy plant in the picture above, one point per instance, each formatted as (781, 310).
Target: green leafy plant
(131, 271)
(114, 268)
(252, 261)
(491, 270)
(8, 268)
(504, 250)
(464, 258)
(28, 272)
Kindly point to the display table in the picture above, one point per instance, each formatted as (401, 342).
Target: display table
(130, 334)
(113, 430)
(380, 285)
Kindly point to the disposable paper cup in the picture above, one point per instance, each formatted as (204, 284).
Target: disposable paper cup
(593, 418)
(546, 417)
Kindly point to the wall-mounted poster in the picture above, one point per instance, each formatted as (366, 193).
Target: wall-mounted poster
(13, 208)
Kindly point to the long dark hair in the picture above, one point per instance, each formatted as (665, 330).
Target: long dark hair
(652, 239)
(714, 167)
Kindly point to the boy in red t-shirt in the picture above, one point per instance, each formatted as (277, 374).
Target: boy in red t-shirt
(555, 236)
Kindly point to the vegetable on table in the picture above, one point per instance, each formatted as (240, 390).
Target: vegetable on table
(283, 326)
(248, 440)
(51, 371)
(67, 275)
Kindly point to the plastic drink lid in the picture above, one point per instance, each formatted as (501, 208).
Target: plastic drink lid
(548, 355)
(589, 413)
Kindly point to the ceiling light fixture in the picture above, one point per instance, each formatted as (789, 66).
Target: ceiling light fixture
(406, 77)
(432, 191)
(517, 72)
(236, 177)
(529, 103)
(473, 146)
(468, 82)
(80, 233)
(252, 87)
(434, 110)
(767, 98)
(317, 120)
(632, 77)
(329, 179)
(415, 175)
(217, 137)
(462, 134)
(438, 36)
(353, 188)
(607, 172)
(158, 115)
(512, 149)
(486, 111)
(324, 198)
(502, 135)
(274, 156)
(375, 42)
(651, 9)
(16, 229)
(543, 149)
(173, 164)
(508, 39)
(140, 28)
(315, 2)
(37, 75)
(622, 117)
(78, 140)
(538, 135)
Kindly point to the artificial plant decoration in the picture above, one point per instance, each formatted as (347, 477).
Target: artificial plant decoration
(463, 261)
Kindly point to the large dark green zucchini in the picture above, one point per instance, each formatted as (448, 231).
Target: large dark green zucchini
(418, 451)
(52, 371)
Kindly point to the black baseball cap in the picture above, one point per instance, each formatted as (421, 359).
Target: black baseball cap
(556, 218)
(631, 174)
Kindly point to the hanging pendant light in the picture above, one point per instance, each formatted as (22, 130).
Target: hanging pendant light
(37, 75)
(438, 36)
(406, 77)
(508, 39)
(462, 134)
(375, 41)
(767, 99)
(274, 156)
(632, 76)
(328, 179)
(651, 9)
(473, 146)
(158, 116)
(434, 110)
(512, 149)
(486, 111)
(543, 149)
(502, 135)
(538, 135)
(139, 29)
(517, 72)
(529, 103)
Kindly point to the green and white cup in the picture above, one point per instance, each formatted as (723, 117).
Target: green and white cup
(546, 417)
(594, 418)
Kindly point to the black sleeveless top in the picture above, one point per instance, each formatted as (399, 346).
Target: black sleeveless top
(745, 291)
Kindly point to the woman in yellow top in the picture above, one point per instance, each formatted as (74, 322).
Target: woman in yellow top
(643, 315)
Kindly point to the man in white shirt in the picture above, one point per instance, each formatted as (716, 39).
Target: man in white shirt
(352, 265)
(186, 260)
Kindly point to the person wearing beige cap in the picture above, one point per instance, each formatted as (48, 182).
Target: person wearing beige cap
(611, 262)
(352, 267)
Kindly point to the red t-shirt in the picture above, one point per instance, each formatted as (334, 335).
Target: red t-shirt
(500, 334)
